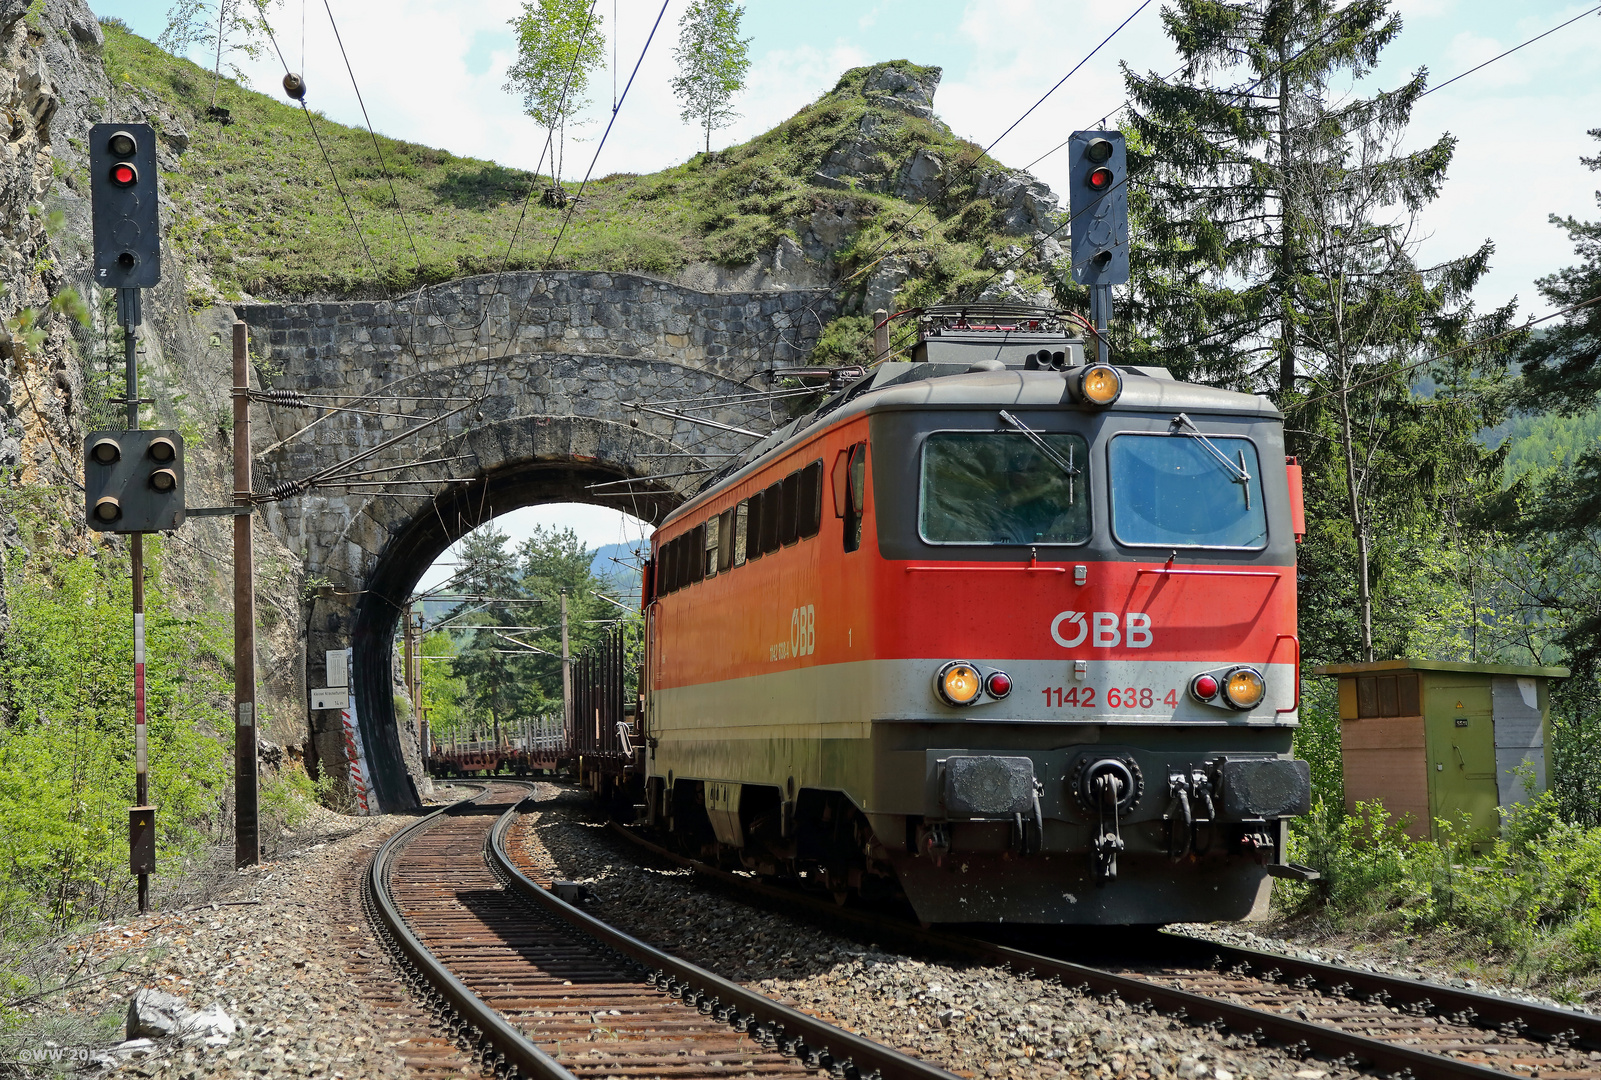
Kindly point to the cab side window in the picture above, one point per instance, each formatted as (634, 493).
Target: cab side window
(850, 491)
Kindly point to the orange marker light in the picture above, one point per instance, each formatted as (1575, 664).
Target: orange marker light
(1245, 688)
(958, 683)
(1100, 384)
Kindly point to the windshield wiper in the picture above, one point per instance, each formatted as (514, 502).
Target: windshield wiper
(1238, 473)
(1065, 464)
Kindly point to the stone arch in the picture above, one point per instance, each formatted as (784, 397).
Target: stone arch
(543, 363)
(387, 544)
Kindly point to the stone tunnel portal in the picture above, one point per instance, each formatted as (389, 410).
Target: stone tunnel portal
(389, 755)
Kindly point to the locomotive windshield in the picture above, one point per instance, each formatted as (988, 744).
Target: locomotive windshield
(1173, 491)
(986, 487)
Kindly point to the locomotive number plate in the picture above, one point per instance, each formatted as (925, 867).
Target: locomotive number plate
(1118, 697)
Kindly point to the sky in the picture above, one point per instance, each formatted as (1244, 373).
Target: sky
(432, 71)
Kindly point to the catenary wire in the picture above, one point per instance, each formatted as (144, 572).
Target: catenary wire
(1128, 179)
(377, 147)
(354, 224)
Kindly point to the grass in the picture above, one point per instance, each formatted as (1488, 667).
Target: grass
(256, 205)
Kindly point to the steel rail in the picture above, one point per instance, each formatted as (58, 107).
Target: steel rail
(1287, 1030)
(516, 1047)
(1544, 1020)
(816, 1042)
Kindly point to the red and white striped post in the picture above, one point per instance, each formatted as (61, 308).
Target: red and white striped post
(142, 816)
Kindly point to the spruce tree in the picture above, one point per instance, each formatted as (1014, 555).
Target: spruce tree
(1277, 232)
(1212, 151)
(1562, 373)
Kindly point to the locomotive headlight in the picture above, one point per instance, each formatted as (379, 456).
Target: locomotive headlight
(1245, 688)
(958, 683)
(1100, 384)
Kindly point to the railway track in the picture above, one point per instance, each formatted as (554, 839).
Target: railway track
(1360, 1019)
(535, 987)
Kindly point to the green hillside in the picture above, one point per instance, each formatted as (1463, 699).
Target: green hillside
(257, 207)
(1549, 440)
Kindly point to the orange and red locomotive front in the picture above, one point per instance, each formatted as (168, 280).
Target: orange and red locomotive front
(1013, 637)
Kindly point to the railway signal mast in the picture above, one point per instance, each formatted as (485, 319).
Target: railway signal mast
(133, 479)
(1098, 233)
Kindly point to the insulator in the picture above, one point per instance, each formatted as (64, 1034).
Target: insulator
(286, 490)
(295, 86)
(288, 398)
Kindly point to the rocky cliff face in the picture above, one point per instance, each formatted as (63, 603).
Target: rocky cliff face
(41, 386)
(56, 372)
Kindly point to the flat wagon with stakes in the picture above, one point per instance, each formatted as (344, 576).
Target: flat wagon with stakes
(1002, 631)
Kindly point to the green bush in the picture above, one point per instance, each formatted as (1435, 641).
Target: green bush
(1531, 904)
(66, 741)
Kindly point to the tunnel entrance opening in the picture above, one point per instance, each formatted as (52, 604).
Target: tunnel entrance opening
(372, 623)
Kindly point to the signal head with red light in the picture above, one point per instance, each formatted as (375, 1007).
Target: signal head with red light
(1098, 198)
(123, 198)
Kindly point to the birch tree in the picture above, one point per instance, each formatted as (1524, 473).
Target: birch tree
(560, 44)
(712, 63)
(225, 27)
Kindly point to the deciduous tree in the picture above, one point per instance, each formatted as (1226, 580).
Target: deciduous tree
(559, 46)
(711, 64)
(226, 27)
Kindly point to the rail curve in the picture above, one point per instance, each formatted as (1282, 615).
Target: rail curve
(539, 988)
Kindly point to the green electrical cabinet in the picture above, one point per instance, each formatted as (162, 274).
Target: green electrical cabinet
(1436, 740)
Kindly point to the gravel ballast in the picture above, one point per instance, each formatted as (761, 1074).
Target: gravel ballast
(973, 1020)
(288, 955)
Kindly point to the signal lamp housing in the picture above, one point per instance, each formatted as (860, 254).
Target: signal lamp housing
(122, 144)
(998, 684)
(958, 683)
(1099, 151)
(164, 480)
(162, 450)
(105, 452)
(123, 174)
(1098, 384)
(1240, 688)
(107, 509)
(1099, 180)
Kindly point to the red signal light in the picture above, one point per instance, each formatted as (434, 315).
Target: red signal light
(124, 175)
(1205, 687)
(1100, 179)
(999, 684)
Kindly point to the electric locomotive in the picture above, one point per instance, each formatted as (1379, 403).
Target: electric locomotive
(999, 630)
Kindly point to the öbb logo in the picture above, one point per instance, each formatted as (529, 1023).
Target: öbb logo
(1071, 628)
